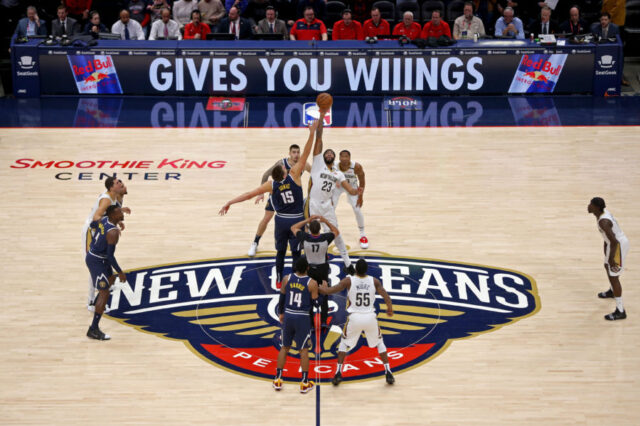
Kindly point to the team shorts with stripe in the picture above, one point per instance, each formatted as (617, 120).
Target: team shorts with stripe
(358, 322)
(619, 257)
(100, 271)
(296, 327)
(268, 206)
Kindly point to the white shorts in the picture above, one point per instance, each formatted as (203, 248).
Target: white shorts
(353, 199)
(324, 209)
(86, 239)
(622, 250)
(358, 322)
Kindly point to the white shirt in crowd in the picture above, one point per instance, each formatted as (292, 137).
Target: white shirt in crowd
(161, 30)
(135, 30)
(182, 11)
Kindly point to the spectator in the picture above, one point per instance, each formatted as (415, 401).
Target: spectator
(94, 27)
(32, 25)
(467, 25)
(287, 10)
(319, 8)
(182, 11)
(575, 25)
(436, 27)
(271, 25)
(486, 10)
(155, 9)
(309, 28)
(606, 28)
(196, 29)
(509, 26)
(376, 26)
(127, 27)
(138, 10)
(241, 5)
(361, 9)
(544, 24)
(109, 10)
(212, 11)
(165, 28)
(408, 27)
(617, 11)
(78, 9)
(64, 25)
(347, 28)
(235, 24)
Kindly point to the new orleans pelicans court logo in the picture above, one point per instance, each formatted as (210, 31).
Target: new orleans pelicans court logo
(225, 311)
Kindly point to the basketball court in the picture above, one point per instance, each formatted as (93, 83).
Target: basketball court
(513, 198)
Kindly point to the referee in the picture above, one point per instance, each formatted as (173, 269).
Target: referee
(315, 246)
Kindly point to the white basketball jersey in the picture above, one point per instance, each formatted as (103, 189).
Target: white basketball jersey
(362, 294)
(97, 204)
(350, 174)
(325, 180)
(615, 228)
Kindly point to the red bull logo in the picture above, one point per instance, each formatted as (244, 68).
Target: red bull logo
(95, 74)
(538, 73)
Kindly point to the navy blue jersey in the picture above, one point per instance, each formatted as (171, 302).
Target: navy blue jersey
(99, 244)
(287, 198)
(297, 297)
(285, 163)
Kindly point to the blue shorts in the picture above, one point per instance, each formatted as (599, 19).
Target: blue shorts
(268, 207)
(283, 234)
(296, 327)
(100, 271)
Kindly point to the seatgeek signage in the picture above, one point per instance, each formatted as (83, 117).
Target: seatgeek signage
(225, 311)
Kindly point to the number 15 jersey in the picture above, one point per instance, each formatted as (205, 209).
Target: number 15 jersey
(362, 295)
(325, 180)
(287, 198)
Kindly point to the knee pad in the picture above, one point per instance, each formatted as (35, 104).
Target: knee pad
(342, 347)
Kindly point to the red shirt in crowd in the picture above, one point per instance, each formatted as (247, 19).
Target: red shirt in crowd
(436, 31)
(370, 30)
(413, 32)
(313, 31)
(191, 30)
(344, 32)
(76, 7)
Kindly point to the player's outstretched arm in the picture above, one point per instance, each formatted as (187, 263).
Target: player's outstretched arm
(344, 283)
(102, 209)
(382, 292)
(359, 171)
(350, 189)
(265, 187)
(296, 171)
(317, 148)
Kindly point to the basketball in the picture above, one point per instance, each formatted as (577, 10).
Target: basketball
(324, 101)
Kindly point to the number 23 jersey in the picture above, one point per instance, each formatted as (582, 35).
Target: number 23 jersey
(325, 180)
(362, 295)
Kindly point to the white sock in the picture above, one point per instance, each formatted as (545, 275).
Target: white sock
(359, 219)
(387, 368)
(339, 369)
(343, 250)
(92, 293)
(619, 304)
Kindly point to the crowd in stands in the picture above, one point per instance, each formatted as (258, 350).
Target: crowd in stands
(313, 19)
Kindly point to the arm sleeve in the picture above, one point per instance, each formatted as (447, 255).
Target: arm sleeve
(300, 235)
(281, 303)
(330, 236)
(111, 249)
